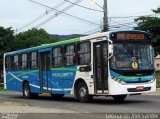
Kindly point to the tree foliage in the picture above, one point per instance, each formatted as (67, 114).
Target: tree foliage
(31, 38)
(6, 37)
(152, 25)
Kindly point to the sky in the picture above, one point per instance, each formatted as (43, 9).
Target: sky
(22, 14)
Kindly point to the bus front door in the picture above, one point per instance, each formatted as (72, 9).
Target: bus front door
(101, 67)
(45, 71)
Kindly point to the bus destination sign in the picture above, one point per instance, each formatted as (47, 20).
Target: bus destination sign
(129, 36)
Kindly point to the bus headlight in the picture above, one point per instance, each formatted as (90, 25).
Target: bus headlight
(118, 80)
(151, 81)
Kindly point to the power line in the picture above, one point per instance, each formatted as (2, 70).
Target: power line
(97, 29)
(98, 5)
(61, 12)
(134, 16)
(57, 13)
(41, 16)
(84, 7)
(121, 25)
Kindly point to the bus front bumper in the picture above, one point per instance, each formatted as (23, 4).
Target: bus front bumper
(132, 88)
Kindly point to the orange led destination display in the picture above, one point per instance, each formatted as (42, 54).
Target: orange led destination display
(132, 36)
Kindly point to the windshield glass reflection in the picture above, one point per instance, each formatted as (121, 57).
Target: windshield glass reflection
(132, 56)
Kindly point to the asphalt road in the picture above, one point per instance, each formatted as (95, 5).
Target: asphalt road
(45, 107)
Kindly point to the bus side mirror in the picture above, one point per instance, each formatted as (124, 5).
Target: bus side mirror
(110, 49)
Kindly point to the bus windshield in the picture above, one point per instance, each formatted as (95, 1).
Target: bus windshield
(132, 56)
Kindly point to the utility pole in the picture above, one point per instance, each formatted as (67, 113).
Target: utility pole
(105, 19)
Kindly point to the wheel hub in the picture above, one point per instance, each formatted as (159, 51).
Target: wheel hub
(82, 91)
(26, 91)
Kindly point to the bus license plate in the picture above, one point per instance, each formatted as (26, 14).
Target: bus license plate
(140, 87)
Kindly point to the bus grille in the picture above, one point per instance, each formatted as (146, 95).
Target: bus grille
(135, 90)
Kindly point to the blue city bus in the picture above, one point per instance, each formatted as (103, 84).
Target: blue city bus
(113, 63)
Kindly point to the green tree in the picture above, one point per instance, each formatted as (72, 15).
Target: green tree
(31, 38)
(151, 24)
(6, 37)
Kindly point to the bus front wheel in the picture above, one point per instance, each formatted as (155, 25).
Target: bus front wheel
(82, 92)
(27, 92)
(119, 98)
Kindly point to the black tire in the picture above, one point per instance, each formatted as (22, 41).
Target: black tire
(27, 92)
(119, 98)
(57, 96)
(82, 93)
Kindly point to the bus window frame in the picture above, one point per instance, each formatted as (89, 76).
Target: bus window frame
(8, 64)
(27, 67)
(30, 61)
(13, 63)
(78, 49)
(62, 50)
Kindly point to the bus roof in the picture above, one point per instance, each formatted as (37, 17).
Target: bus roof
(44, 46)
(57, 43)
(94, 36)
(129, 31)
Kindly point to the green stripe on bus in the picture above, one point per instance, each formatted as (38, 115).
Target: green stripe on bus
(57, 69)
(22, 74)
(129, 77)
(64, 69)
(61, 42)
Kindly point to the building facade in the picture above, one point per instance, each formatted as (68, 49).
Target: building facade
(157, 62)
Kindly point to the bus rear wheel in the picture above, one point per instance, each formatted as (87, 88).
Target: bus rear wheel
(119, 98)
(82, 92)
(27, 92)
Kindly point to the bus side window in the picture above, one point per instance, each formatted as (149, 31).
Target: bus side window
(84, 53)
(11, 62)
(34, 60)
(20, 61)
(8, 63)
(74, 58)
(16, 62)
(24, 61)
(57, 57)
(78, 50)
(70, 56)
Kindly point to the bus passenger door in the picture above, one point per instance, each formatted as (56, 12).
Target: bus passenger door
(45, 71)
(101, 66)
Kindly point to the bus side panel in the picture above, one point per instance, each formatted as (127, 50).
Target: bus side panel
(63, 79)
(34, 81)
(15, 80)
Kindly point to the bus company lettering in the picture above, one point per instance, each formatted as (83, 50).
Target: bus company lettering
(62, 75)
(25, 77)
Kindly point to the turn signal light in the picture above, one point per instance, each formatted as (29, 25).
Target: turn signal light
(85, 69)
